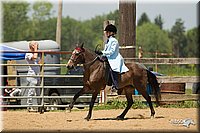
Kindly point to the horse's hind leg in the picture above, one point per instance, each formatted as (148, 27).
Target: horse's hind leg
(142, 90)
(128, 91)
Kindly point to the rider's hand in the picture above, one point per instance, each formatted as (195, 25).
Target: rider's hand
(98, 52)
(102, 58)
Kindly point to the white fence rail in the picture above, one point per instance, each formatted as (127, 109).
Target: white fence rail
(42, 86)
(5, 99)
(42, 76)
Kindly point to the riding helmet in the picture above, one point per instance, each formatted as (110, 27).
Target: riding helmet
(111, 28)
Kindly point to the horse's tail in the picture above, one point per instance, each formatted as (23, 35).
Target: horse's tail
(154, 85)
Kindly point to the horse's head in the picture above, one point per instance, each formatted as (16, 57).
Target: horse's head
(77, 57)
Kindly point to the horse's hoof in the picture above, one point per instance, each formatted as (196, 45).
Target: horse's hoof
(120, 118)
(69, 109)
(86, 118)
(152, 117)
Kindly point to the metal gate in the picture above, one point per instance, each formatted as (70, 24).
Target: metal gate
(42, 96)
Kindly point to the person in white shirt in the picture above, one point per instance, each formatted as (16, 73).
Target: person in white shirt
(32, 58)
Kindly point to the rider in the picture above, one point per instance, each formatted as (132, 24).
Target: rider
(111, 51)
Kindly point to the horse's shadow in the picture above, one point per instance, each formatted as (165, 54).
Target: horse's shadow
(137, 117)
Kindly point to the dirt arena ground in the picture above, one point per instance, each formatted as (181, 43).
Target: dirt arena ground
(102, 120)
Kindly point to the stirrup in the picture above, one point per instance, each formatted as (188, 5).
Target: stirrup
(113, 87)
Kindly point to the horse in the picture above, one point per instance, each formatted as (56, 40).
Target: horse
(94, 80)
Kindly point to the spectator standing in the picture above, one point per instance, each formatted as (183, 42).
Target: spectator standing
(32, 58)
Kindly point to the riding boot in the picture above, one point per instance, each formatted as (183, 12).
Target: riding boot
(114, 76)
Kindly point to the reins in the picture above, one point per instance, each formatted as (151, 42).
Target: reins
(88, 64)
(91, 62)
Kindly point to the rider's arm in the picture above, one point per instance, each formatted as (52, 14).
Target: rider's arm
(111, 49)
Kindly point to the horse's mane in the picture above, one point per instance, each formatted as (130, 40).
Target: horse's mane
(90, 51)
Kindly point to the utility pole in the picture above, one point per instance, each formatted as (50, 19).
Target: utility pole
(127, 28)
(58, 28)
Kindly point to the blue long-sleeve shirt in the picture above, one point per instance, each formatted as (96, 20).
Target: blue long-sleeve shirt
(111, 51)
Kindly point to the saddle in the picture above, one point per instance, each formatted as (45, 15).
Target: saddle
(108, 71)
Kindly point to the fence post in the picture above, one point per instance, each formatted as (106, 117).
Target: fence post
(11, 70)
(140, 52)
(59, 20)
(156, 65)
(42, 82)
(105, 23)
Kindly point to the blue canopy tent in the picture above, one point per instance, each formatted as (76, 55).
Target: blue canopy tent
(10, 53)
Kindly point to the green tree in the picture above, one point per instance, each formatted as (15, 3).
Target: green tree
(192, 47)
(159, 21)
(42, 10)
(14, 20)
(95, 30)
(68, 33)
(151, 38)
(143, 19)
(41, 14)
(178, 38)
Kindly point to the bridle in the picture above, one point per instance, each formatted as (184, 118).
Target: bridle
(80, 52)
(77, 52)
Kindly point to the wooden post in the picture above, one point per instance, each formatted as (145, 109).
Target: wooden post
(11, 70)
(156, 65)
(105, 23)
(127, 28)
(140, 52)
(58, 29)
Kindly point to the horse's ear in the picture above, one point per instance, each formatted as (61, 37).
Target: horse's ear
(82, 45)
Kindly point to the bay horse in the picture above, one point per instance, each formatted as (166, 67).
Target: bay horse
(94, 80)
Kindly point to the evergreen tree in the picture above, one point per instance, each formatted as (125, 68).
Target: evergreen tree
(178, 38)
(192, 47)
(159, 21)
(143, 19)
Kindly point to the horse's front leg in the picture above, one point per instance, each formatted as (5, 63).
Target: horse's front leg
(94, 96)
(81, 92)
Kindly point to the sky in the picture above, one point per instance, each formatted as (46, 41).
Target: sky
(169, 10)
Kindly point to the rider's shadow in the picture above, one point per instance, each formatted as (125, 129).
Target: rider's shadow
(129, 118)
